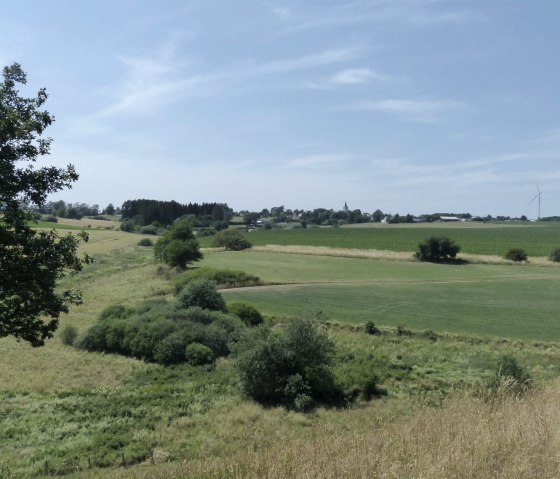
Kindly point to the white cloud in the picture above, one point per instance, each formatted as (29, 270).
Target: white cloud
(314, 160)
(356, 76)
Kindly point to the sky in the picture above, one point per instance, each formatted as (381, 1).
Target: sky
(409, 106)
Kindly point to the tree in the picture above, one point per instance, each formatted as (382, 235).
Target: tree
(231, 239)
(31, 262)
(178, 247)
(437, 249)
(110, 210)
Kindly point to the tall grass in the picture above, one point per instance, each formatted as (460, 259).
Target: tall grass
(509, 437)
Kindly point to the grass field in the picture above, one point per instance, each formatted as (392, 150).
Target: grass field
(538, 239)
(63, 411)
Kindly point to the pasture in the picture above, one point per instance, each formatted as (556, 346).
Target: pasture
(538, 239)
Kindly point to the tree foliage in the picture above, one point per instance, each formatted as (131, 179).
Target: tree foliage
(290, 367)
(232, 240)
(31, 262)
(516, 254)
(178, 247)
(437, 249)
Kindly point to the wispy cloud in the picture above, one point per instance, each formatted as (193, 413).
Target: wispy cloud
(354, 76)
(316, 160)
(413, 110)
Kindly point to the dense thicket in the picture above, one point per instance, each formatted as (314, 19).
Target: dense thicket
(146, 212)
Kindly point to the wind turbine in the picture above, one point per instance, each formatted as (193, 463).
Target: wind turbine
(538, 195)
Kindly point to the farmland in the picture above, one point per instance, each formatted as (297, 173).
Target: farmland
(182, 421)
(475, 238)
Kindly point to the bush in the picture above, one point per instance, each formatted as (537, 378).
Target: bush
(170, 350)
(437, 249)
(149, 230)
(68, 334)
(246, 312)
(93, 339)
(516, 254)
(115, 311)
(224, 278)
(509, 377)
(198, 354)
(202, 293)
(232, 240)
(555, 255)
(49, 218)
(290, 367)
(145, 242)
(371, 328)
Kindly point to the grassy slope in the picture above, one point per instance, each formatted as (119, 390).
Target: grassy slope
(475, 238)
(64, 407)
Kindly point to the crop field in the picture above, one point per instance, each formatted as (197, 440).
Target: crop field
(538, 239)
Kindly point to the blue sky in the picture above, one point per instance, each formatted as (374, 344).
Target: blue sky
(404, 105)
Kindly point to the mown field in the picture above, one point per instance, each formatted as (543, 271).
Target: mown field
(75, 414)
(538, 239)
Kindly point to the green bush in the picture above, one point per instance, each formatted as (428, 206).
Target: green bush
(93, 338)
(68, 334)
(170, 350)
(371, 328)
(246, 312)
(555, 255)
(145, 242)
(115, 311)
(149, 230)
(280, 366)
(232, 240)
(198, 354)
(201, 293)
(509, 376)
(436, 249)
(224, 278)
(516, 254)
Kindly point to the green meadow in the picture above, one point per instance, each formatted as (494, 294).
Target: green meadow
(538, 239)
(514, 301)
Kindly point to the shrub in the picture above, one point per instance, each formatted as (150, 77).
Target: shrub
(49, 218)
(202, 293)
(555, 255)
(402, 331)
(371, 328)
(115, 311)
(246, 312)
(68, 334)
(145, 242)
(437, 249)
(516, 254)
(232, 240)
(198, 354)
(149, 230)
(93, 338)
(289, 367)
(147, 338)
(170, 350)
(509, 377)
(224, 278)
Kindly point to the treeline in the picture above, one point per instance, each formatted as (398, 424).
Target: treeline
(72, 210)
(146, 212)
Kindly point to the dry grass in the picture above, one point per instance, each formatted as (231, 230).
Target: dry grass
(507, 438)
(89, 223)
(391, 255)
